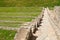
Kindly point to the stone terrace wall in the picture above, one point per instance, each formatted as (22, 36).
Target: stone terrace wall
(26, 32)
(57, 11)
(54, 20)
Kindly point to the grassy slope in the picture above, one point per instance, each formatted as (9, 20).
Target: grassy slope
(7, 35)
(15, 24)
(28, 3)
(8, 8)
(20, 9)
(10, 13)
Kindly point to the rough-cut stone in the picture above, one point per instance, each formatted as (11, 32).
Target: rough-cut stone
(49, 29)
(44, 28)
(22, 34)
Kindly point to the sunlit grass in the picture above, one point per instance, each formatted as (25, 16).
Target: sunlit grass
(7, 34)
(20, 9)
(15, 13)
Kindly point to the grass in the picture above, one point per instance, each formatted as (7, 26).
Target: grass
(19, 14)
(7, 34)
(51, 8)
(16, 24)
(20, 9)
(34, 14)
(16, 19)
(10, 13)
(10, 24)
(29, 3)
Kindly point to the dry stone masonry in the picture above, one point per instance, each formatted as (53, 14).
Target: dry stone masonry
(45, 27)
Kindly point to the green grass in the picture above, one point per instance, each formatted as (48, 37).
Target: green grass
(29, 3)
(7, 34)
(10, 24)
(16, 19)
(16, 24)
(10, 13)
(51, 8)
(19, 14)
(34, 14)
(20, 9)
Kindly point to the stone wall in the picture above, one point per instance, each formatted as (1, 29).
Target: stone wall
(50, 20)
(27, 32)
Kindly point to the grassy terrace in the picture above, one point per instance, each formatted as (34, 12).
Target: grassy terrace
(20, 9)
(13, 13)
(7, 34)
(15, 16)
(10, 24)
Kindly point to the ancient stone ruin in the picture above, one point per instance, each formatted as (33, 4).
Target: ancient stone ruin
(45, 27)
